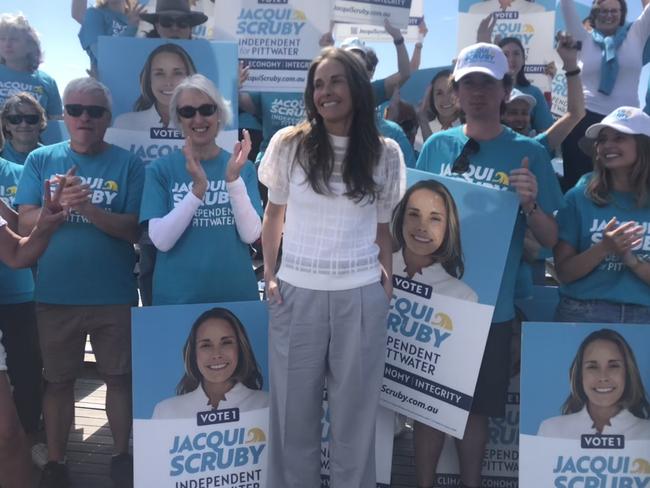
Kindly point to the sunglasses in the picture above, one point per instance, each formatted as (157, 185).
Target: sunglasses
(187, 111)
(31, 119)
(180, 22)
(93, 111)
(461, 164)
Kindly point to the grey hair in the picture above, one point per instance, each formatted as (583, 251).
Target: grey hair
(18, 22)
(87, 85)
(203, 85)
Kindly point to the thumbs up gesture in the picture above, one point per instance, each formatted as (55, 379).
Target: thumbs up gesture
(525, 184)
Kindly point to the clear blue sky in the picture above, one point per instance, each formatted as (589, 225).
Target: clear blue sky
(65, 60)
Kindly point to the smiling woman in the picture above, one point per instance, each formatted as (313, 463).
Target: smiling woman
(220, 370)
(23, 120)
(607, 393)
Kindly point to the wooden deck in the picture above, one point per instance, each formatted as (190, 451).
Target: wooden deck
(90, 442)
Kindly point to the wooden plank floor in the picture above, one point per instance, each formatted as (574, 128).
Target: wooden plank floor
(90, 441)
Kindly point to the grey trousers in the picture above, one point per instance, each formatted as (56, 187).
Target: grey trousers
(338, 336)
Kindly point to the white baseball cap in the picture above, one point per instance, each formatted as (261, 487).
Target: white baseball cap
(354, 44)
(519, 95)
(628, 120)
(481, 58)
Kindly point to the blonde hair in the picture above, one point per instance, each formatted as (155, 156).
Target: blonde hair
(18, 23)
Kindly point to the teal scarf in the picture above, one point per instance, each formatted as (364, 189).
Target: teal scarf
(609, 63)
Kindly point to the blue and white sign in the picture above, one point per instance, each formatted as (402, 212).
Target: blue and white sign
(377, 33)
(372, 12)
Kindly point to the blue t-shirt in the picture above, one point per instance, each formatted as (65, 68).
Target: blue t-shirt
(102, 22)
(379, 91)
(10, 154)
(83, 265)
(491, 167)
(388, 128)
(17, 285)
(581, 225)
(541, 117)
(209, 262)
(38, 84)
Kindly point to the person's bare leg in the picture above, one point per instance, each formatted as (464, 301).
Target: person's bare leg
(428, 443)
(15, 463)
(471, 449)
(118, 410)
(58, 413)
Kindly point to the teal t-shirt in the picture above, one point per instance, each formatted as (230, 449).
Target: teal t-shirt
(209, 262)
(102, 22)
(379, 92)
(83, 265)
(16, 285)
(541, 117)
(278, 110)
(392, 130)
(581, 223)
(10, 154)
(491, 167)
(38, 84)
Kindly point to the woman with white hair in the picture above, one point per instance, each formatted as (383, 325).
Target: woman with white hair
(20, 57)
(202, 205)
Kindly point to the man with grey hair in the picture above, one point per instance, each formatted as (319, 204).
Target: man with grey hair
(85, 282)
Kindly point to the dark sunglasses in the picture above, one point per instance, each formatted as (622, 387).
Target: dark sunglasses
(461, 164)
(31, 119)
(180, 22)
(187, 111)
(93, 111)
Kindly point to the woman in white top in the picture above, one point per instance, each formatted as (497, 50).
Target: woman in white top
(438, 110)
(337, 181)
(607, 394)
(165, 68)
(611, 64)
(220, 370)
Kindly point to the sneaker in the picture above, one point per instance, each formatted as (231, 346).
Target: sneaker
(122, 470)
(55, 475)
(39, 455)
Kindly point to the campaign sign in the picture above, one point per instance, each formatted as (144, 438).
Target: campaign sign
(435, 342)
(501, 459)
(225, 447)
(533, 23)
(277, 39)
(175, 448)
(137, 125)
(372, 12)
(584, 405)
(377, 33)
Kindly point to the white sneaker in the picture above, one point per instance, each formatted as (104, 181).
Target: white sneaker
(39, 455)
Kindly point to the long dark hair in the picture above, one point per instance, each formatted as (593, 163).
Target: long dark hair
(450, 252)
(634, 395)
(315, 154)
(146, 98)
(520, 79)
(445, 73)
(247, 371)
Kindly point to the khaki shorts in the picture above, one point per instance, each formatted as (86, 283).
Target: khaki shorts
(62, 333)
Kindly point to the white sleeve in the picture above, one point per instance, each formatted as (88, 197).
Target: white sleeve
(572, 20)
(641, 26)
(165, 231)
(2, 222)
(247, 220)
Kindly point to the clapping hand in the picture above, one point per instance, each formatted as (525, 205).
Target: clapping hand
(238, 158)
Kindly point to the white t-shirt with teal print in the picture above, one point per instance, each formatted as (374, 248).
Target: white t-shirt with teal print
(209, 262)
(82, 264)
(16, 285)
(581, 225)
(491, 167)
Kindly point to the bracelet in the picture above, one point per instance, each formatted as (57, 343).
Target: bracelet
(531, 211)
(399, 42)
(418, 45)
(574, 72)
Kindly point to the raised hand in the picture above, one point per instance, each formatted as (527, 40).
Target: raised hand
(567, 50)
(75, 195)
(485, 29)
(243, 73)
(394, 32)
(621, 239)
(195, 170)
(525, 184)
(239, 157)
(132, 12)
(52, 213)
